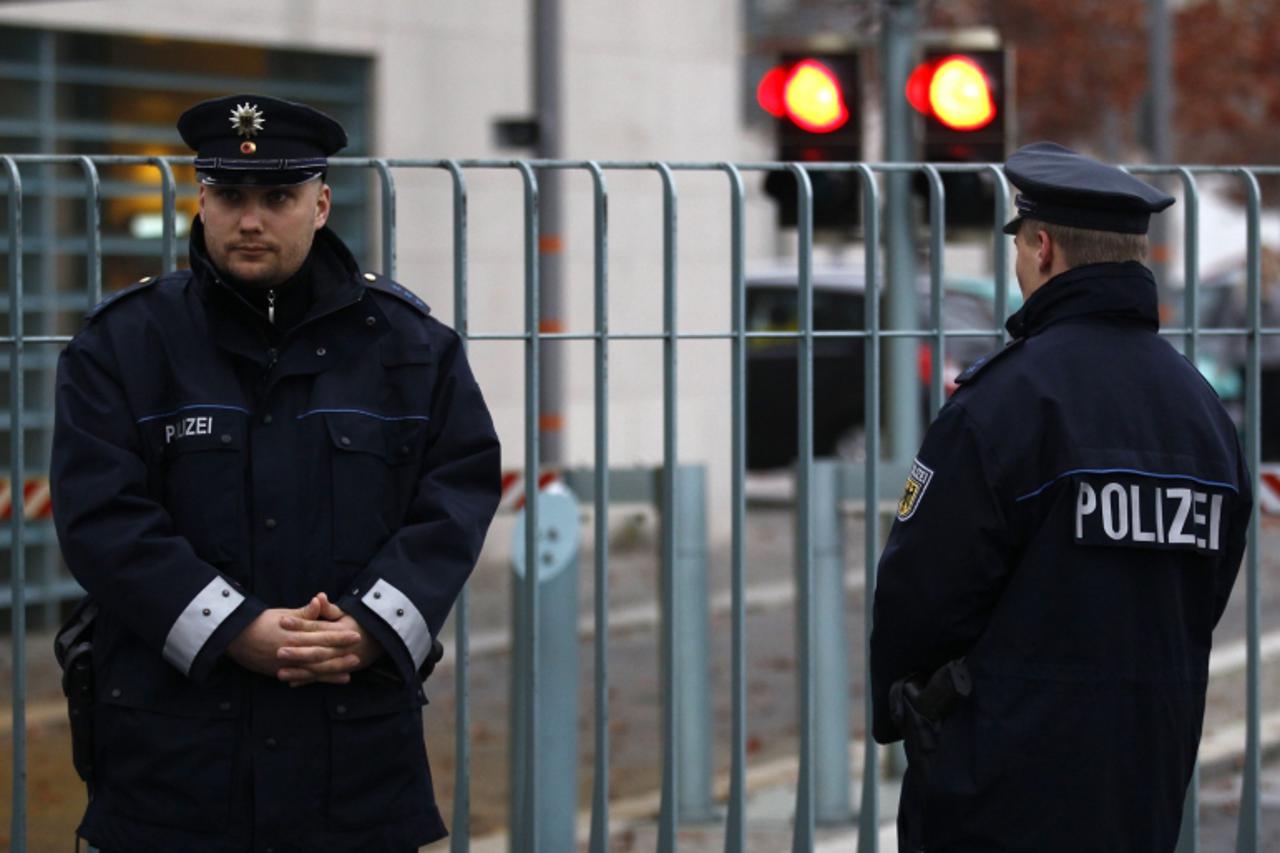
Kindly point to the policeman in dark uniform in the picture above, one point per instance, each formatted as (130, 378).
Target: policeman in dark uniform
(1069, 536)
(273, 472)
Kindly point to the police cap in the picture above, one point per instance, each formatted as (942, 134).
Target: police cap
(254, 139)
(1065, 188)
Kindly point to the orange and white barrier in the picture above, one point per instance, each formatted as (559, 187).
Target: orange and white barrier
(36, 504)
(512, 499)
(1269, 489)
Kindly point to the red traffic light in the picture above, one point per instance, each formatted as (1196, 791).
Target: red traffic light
(807, 92)
(955, 90)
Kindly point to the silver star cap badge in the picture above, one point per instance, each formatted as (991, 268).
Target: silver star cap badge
(246, 120)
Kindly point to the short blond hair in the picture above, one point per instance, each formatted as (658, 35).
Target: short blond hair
(1081, 246)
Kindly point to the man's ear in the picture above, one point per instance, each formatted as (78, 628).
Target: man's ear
(324, 202)
(1045, 250)
(200, 202)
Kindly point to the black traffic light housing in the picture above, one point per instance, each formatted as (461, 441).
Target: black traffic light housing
(787, 92)
(966, 119)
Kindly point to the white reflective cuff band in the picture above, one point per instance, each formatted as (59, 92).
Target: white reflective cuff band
(211, 606)
(403, 616)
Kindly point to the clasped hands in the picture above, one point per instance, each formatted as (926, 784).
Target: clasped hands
(315, 643)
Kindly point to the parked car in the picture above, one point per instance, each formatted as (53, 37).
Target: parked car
(1221, 304)
(839, 411)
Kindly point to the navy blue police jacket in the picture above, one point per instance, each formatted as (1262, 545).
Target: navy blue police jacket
(1071, 528)
(205, 468)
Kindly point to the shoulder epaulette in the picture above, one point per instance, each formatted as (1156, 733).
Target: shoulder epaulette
(137, 287)
(393, 288)
(982, 363)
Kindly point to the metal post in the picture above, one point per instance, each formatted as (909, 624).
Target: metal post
(168, 196)
(937, 245)
(831, 664)
(546, 77)
(531, 719)
(735, 824)
(17, 518)
(47, 275)
(667, 813)
(555, 780)
(1161, 127)
(1189, 835)
(869, 808)
(599, 839)
(802, 835)
(692, 618)
(460, 839)
(902, 421)
(903, 405)
(1250, 804)
(388, 199)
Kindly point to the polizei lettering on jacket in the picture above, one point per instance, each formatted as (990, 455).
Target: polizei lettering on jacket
(1143, 513)
(183, 427)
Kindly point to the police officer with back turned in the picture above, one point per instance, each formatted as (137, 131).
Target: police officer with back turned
(272, 473)
(1069, 536)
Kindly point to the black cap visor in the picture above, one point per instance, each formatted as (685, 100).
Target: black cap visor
(1098, 214)
(257, 177)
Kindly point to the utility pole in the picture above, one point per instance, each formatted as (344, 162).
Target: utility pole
(1161, 127)
(551, 243)
(897, 51)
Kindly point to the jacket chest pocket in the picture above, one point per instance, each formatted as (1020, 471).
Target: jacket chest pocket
(374, 463)
(204, 489)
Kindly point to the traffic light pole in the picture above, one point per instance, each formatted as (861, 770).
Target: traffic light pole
(902, 408)
(551, 244)
(1160, 126)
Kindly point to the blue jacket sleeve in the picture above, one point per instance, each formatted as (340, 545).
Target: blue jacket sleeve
(404, 595)
(117, 539)
(943, 566)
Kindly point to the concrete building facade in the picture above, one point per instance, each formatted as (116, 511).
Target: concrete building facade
(652, 81)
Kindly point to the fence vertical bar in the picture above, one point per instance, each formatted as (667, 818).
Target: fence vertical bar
(1188, 834)
(667, 816)
(168, 195)
(599, 839)
(802, 838)
(93, 230)
(830, 668)
(1250, 807)
(460, 841)
(532, 435)
(1191, 264)
(692, 633)
(17, 517)
(388, 201)
(1000, 250)
(937, 245)
(869, 810)
(735, 828)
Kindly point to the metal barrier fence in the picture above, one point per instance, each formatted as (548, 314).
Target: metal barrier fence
(670, 336)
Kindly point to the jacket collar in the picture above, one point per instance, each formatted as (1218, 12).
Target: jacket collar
(240, 328)
(1119, 291)
(335, 274)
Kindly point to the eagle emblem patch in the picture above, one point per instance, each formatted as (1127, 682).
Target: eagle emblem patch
(917, 481)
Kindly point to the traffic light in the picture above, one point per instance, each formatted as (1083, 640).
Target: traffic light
(814, 99)
(964, 98)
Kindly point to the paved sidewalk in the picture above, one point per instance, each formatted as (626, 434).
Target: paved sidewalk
(56, 797)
